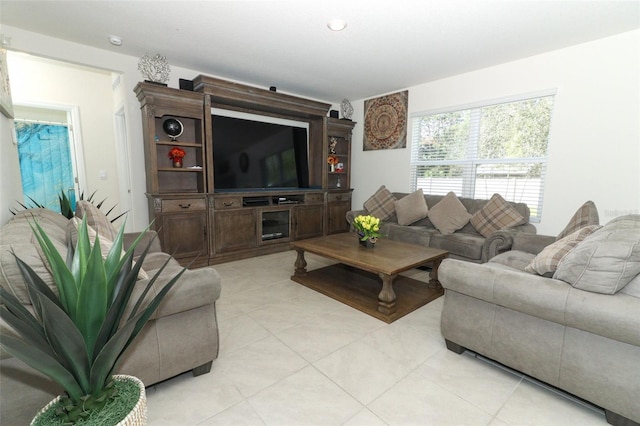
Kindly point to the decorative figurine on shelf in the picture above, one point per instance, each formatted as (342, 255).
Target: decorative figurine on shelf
(332, 160)
(154, 70)
(176, 154)
(333, 142)
(173, 128)
(347, 109)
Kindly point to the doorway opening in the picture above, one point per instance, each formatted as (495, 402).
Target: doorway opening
(50, 154)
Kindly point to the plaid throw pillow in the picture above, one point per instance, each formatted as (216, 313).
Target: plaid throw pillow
(547, 261)
(495, 215)
(96, 219)
(381, 204)
(586, 215)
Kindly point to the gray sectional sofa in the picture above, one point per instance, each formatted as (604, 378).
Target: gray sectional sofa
(181, 336)
(578, 329)
(464, 244)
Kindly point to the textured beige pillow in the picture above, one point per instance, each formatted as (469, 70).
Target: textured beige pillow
(449, 214)
(607, 260)
(96, 219)
(381, 204)
(495, 215)
(411, 208)
(586, 215)
(547, 261)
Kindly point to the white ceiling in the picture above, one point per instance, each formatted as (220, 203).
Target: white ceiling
(387, 46)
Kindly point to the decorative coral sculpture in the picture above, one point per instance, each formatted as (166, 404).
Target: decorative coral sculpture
(154, 69)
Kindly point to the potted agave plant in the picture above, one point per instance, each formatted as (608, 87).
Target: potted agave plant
(77, 336)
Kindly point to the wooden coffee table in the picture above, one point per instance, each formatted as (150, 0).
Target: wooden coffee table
(362, 271)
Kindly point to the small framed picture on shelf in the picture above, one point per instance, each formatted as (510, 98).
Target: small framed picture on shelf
(339, 167)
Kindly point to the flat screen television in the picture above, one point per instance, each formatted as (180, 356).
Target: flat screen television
(252, 152)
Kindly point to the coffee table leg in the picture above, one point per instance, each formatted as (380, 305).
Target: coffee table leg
(433, 275)
(387, 297)
(301, 263)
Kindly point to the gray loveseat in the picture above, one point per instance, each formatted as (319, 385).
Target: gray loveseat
(580, 333)
(181, 336)
(464, 244)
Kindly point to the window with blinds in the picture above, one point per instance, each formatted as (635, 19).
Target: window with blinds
(484, 149)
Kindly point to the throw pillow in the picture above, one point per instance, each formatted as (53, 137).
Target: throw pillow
(380, 204)
(411, 208)
(449, 214)
(586, 215)
(547, 261)
(105, 243)
(96, 219)
(495, 215)
(607, 260)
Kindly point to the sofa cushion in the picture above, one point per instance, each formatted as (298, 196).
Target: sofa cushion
(605, 261)
(586, 215)
(96, 219)
(449, 214)
(495, 215)
(419, 235)
(411, 208)
(515, 259)
(546, 262)
(17, 237)
(381, 204)
(464, 245)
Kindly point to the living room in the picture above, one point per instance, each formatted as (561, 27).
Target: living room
(594, 153)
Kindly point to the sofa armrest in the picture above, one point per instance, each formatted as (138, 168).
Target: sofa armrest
(531, 243)
(351, 215)
(195, 288)
(150, 235)
(496, 243)
(503, 240)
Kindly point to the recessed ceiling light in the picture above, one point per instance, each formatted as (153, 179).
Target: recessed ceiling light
(115, 40)
(337, 24)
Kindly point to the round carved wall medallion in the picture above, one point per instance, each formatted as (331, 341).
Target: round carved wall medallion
(385, 122)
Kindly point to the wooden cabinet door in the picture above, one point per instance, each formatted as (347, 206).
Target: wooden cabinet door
(337, 221)
(235, 230)
(185, 234)
(338, 204)
(308, 221)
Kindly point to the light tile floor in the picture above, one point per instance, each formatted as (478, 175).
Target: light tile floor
(291, 356)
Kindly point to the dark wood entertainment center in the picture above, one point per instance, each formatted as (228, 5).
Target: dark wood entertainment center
(193, 219)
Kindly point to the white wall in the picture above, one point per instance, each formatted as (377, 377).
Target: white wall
(10, 183)
(594, 147)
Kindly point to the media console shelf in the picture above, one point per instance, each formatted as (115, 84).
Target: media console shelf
(195, 219)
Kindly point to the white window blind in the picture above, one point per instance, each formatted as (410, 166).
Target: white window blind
(477, 151)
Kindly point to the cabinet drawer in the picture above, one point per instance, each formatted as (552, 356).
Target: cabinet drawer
(183, 205)
(227, 203)
(341, 196)
(314, 198)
